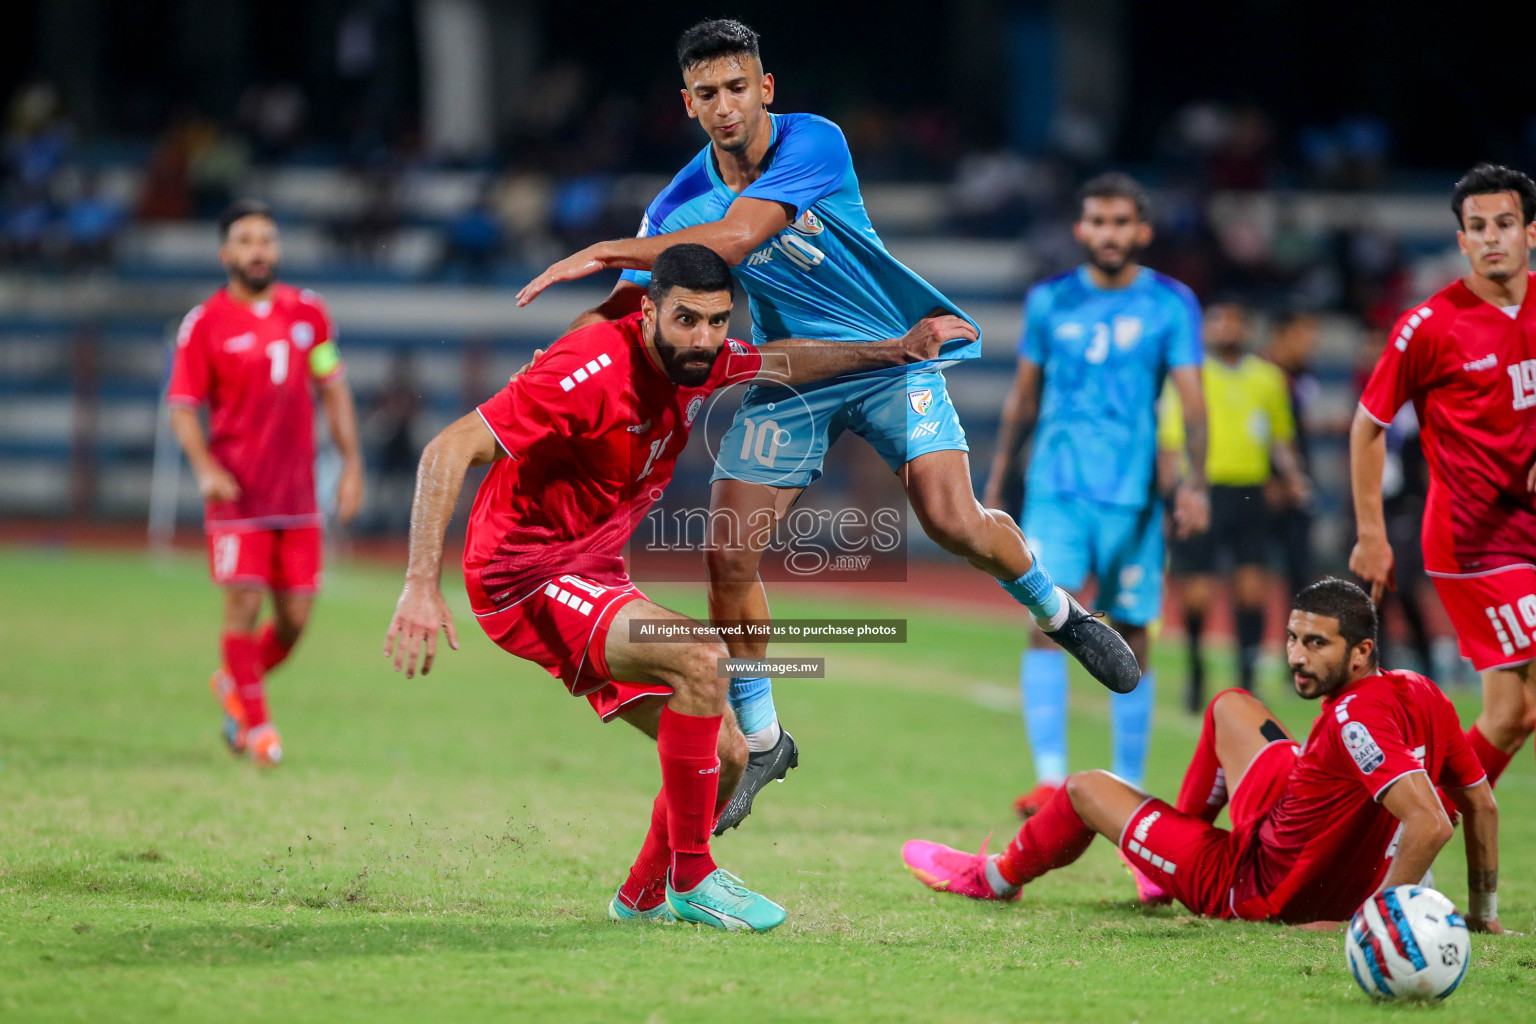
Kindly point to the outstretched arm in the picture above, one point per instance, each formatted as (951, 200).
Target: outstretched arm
(746, 225)
(1021, 409)
(1480, 818)
(421, 610)
(801, 361)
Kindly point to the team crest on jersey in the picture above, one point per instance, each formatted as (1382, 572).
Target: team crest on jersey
(303, 335)
(1362, 747)
(1127, 332)
(921, 400)
(809, 224)
(693, 409)
(736, 346)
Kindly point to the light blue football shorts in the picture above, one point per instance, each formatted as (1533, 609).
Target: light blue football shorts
(781, 434)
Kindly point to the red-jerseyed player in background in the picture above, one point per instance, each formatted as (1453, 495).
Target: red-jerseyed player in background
(1316, 829)
(1466, 359)
(252, 352)
(582, 443)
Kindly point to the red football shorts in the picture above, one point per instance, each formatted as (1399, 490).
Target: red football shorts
(563, 626)
(1494, 614)
(281, 560)
(1197, 863)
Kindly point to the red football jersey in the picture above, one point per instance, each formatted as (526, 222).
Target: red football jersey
(592, 432)
(1326, 844)
(253, 364)
(1470, 370)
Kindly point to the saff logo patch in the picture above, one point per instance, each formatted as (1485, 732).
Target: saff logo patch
(1362, 747)
(693, 411)
(920, 400)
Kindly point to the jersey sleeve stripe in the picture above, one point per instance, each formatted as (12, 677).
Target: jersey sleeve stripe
(500, 443)
(1382, 789)
(1374, 418)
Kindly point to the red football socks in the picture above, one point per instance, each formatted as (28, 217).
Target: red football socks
(1051, 839)
(1493, 760)
(639, 889)
(1203, 793)
(690, 775)
(242, 659)
(273, 653)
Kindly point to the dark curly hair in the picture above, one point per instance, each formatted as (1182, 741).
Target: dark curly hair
(717, 37)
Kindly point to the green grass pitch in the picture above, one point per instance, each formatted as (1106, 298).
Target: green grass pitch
(444, 848)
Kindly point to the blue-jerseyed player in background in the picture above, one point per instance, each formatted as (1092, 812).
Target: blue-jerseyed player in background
(1096, 345)
(777, 197)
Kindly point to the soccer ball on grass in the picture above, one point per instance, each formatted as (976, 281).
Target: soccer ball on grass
(1408, 943)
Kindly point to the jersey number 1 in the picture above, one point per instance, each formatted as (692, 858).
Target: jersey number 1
(277, 351)
(657, 447)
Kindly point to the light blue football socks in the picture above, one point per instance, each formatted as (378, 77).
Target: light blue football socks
(1036, 591)
(1043, 691)
(1130, 719)
(1043, 688)
(751, 699)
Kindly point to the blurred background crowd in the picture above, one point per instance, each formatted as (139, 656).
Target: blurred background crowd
(425, 157)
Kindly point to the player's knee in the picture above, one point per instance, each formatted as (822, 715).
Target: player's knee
(1081, 786)
(1512, 720)
(956, 528)
(731, 563)
(697, 672)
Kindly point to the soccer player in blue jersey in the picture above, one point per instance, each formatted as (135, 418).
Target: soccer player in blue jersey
(1096, 345)
(776, 195)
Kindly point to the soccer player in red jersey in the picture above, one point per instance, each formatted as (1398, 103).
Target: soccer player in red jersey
(582, 443)
(255, 352)
(1466, 359)
(1316, 828)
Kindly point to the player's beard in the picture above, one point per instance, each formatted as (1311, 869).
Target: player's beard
(1114, 260)
(256, 283)
(1321, 685)
(687, 368)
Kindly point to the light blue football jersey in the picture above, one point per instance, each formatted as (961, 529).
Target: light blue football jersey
(826, 276)
(1103, 355)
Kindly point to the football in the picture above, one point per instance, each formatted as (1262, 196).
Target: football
(1408, 943)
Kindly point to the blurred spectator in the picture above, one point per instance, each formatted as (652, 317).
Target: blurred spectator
(90, 225)
(1292, 340)
(166, 193)
(217, 161)
(273, 115)
(474, 239)
(391, 431)
(364, 233)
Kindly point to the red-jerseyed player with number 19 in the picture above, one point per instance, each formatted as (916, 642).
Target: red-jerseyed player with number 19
(1466, 359)
(583, 442)
(1316, 829)
(254, 353)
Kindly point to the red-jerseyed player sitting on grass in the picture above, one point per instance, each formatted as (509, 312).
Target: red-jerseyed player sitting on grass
(256, 352)
(582, 443)
(1316, 829)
